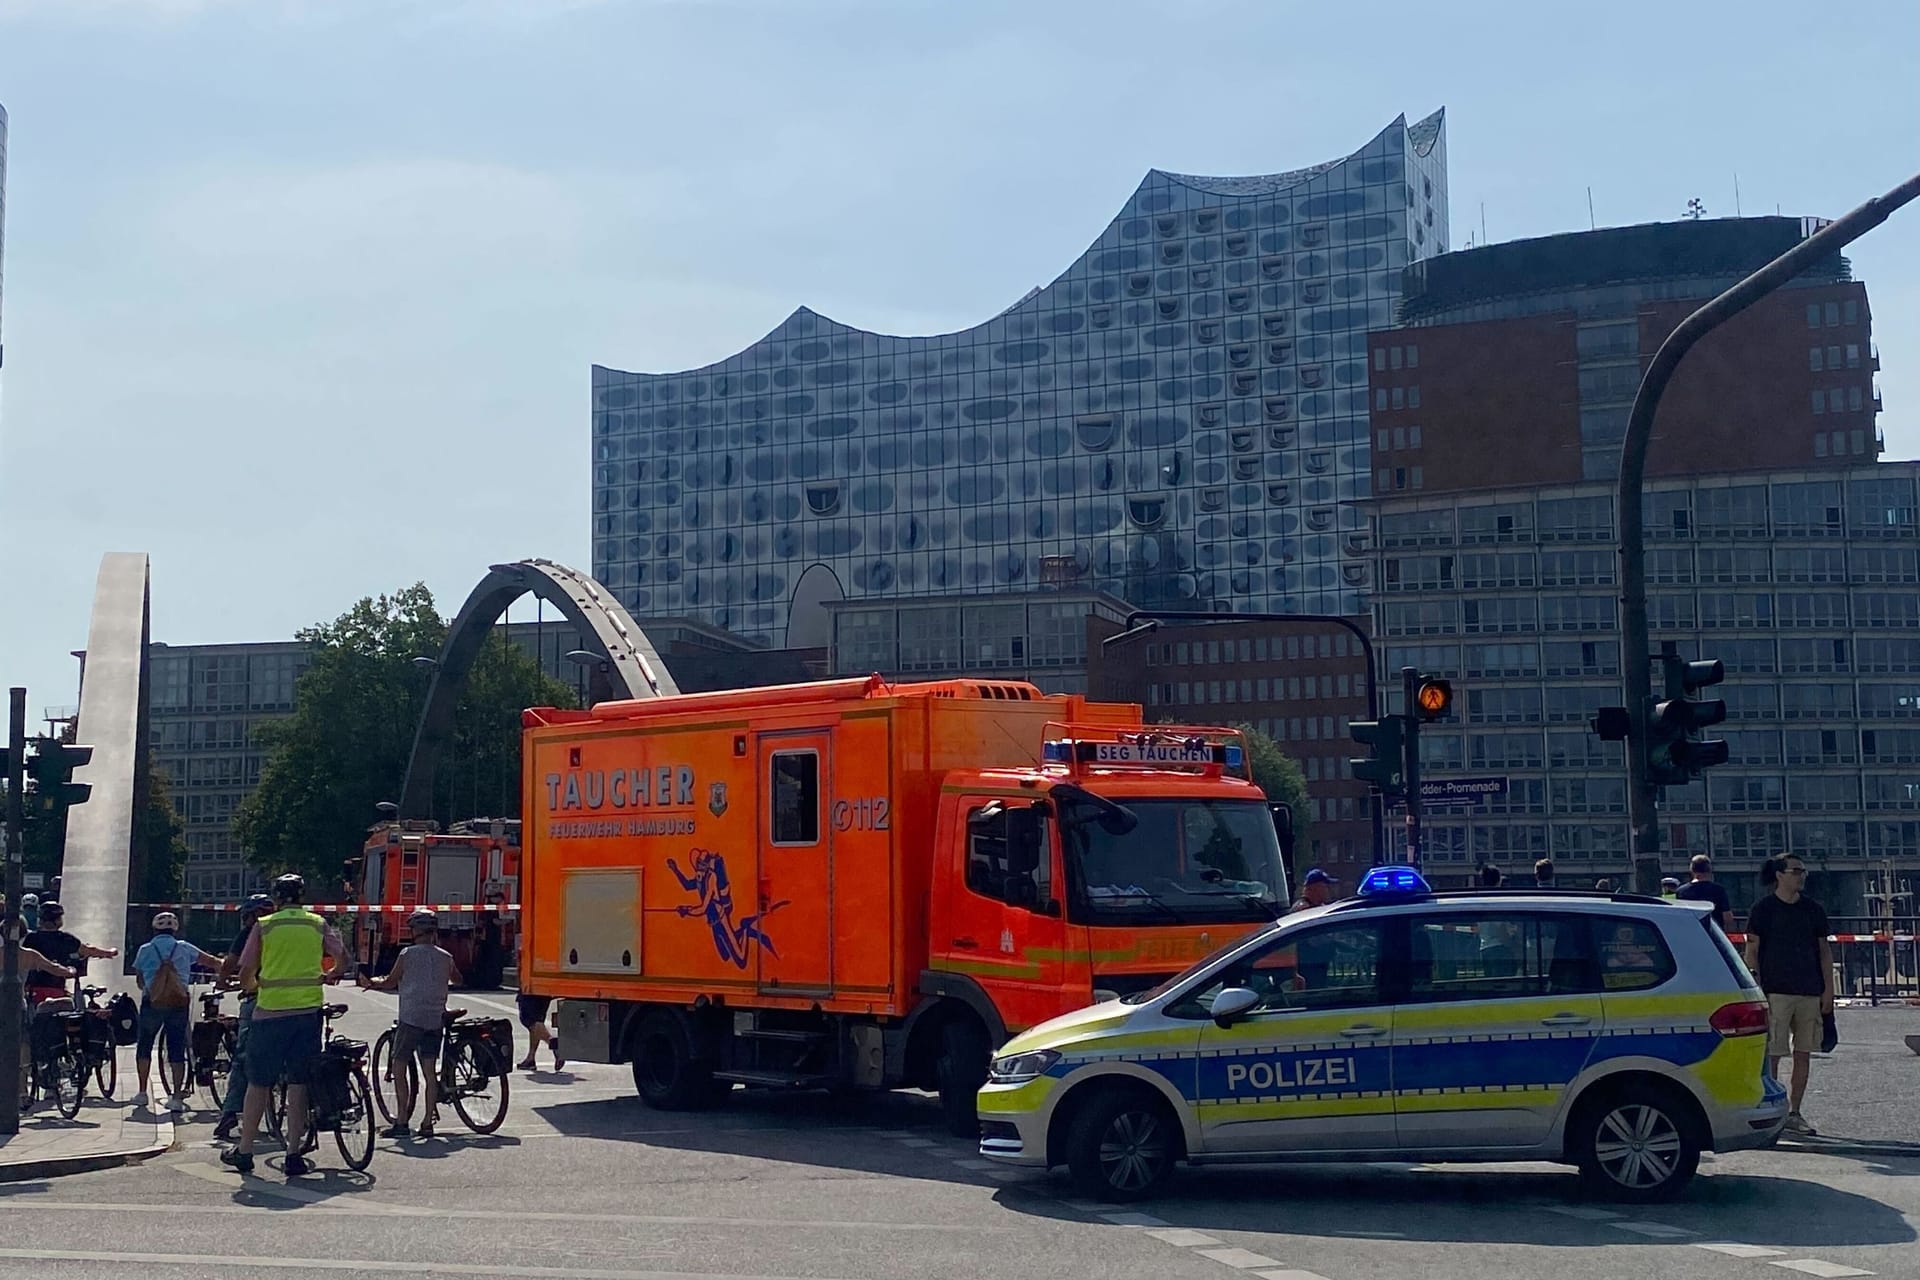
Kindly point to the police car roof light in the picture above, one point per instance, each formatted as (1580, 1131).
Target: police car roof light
(1392, 881)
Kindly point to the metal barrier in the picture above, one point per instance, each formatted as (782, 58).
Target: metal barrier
(1876, 960)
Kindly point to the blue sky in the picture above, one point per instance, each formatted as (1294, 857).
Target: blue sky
(301, 295)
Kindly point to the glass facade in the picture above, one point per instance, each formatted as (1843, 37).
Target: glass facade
(1807, 587)
(1181, 418)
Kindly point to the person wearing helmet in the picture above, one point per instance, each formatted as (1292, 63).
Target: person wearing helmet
(30, 910)
(256, 907)
(284, 960)
(164, 967)
(52, 940)
(423, 974)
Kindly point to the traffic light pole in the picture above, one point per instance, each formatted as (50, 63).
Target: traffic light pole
(1410, 682)
(10, 997)
(1636, 662)
(1145, 619)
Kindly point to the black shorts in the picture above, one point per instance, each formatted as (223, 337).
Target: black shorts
(533, 1009)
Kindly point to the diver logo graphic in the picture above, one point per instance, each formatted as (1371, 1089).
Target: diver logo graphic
(732, 939)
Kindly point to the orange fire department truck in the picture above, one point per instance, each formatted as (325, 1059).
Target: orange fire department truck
(471, 867)
(860, 884)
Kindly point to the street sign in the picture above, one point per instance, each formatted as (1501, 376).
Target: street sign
(35, 880)
(1453, 792)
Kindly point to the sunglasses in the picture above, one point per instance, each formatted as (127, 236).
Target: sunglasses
(1793, 871)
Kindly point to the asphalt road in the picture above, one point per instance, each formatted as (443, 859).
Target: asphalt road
(585, 1183)
(1869, 1087)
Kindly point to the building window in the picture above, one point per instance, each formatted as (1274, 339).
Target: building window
(1853, 312)
(1816, 361)
(1819, 402)
(1832, 313)
(1413, 356)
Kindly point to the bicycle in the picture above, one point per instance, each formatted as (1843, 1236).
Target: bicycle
(475, 1054)
(213, 1047)
(339, 1099)
(99, 1051)
(57, 1066)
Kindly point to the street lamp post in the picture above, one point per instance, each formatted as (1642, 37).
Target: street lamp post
(1142, 621)
(1636, 665)
(596, 670)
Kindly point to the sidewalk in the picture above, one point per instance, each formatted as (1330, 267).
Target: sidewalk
(103, 1135)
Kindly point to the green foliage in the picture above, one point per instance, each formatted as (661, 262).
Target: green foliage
(161, 835)
(344, 749)
(1278, 774)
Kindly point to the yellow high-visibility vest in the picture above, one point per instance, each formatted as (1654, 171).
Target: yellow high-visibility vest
(292, 946)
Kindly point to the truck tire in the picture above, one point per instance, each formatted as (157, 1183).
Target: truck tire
(665, 1071)
(962, 1069)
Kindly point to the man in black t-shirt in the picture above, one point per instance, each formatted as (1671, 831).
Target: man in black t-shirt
(1703, 889)
(53, 941)
(1787, 947)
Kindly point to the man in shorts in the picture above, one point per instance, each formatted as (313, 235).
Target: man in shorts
(1787, 947)
(533, 1016)
(422, 974)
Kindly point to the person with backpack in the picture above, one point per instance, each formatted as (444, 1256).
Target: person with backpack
(164, 966)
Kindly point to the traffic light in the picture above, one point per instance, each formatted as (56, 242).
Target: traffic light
(1386, 767)
(50, 766)
(1676, 754)
(1434, 698)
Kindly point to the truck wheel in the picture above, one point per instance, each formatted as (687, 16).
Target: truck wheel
(1636, 1144)
(665, 1071)
(1122, 1145)
(962, 1068)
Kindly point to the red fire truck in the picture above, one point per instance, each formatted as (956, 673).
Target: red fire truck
(466, 874)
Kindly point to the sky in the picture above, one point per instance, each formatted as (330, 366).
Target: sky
(301, 296)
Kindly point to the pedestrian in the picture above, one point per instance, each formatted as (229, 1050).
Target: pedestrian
(1543, 874)
(1603, 885)
(1787, 946)
(533, 1016)
(284, 960)
(1491, 876)
(1315, 891)
(257, 907)
(165, 974)
(1670, 886)
(53, 941)
(30, 910)
(422, 974)
(1702, 889)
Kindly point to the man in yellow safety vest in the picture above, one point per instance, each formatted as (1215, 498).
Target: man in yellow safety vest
(284, 961)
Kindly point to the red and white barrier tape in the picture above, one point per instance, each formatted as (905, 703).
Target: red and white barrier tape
(1848, 937)
(349, 908)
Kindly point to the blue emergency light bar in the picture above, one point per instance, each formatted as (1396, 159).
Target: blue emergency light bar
(1395, 881)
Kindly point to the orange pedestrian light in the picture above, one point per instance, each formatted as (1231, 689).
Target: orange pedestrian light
(1435, 699)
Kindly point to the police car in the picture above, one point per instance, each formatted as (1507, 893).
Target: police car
(1617, 1033)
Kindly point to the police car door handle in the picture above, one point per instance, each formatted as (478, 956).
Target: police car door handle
(1363, 1031)
(1566, 1020)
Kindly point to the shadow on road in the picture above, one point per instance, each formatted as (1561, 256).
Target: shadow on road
(901, 1135)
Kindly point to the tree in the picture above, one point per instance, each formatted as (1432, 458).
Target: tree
(1278, 774)
(344, 749)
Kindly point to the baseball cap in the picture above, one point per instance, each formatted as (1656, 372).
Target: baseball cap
(1317, 876)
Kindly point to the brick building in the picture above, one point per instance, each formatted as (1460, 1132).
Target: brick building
(1516, 364)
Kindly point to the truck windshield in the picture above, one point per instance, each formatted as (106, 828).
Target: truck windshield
(1198, 860)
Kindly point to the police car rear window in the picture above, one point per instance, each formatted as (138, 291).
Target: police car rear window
(1633, 955)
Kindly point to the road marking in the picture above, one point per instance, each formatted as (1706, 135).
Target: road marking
(1816, 1267)
(1738, 1250)
(337, 1208)
(195, 1260)
(221, 1176)
(1184, 1238)
(1135, 1220)
(1243, 1258)
(1372, 1235)
(1656, 1230)
(1582, 1212)
(1289, 1275)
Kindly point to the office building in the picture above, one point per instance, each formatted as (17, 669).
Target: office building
(1039, 636)
(1805, 583)
(1180, 417)
(1516, 364)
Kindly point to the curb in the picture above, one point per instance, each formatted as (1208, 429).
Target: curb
(1850, 1147)
(61, 1166)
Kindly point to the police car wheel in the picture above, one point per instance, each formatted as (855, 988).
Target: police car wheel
(1637, 1144)
(1122, 1145)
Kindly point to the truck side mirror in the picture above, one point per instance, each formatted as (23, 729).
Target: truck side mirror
(1023, 841)
(1283, 830)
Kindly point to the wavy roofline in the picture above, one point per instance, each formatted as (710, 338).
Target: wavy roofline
(1422, 135)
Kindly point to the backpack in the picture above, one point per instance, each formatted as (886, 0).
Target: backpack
(167, 991)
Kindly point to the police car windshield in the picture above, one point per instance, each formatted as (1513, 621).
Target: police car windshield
(1201, 860)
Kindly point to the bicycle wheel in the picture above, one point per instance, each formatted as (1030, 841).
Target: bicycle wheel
(386, 1091)
(69, 1081)
(479, 1086)
(106, 1072)
(354, 1133)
